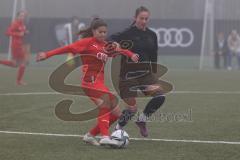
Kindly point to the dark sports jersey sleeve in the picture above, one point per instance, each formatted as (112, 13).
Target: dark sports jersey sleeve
(154, 55)
(115, 37)
(119, 36)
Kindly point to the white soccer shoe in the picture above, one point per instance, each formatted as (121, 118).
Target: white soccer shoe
(90, 140)
(106, 141)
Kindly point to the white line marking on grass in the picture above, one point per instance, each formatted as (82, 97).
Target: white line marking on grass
(174, 92)
(205, 92)
(29, 93)
(136, 139)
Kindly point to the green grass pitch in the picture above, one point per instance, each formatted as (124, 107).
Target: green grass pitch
(212, 116)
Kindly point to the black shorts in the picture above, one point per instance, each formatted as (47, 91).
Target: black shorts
(128, 88)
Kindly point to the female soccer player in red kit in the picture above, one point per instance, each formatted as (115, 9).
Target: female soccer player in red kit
(17, 30)
(93, 44)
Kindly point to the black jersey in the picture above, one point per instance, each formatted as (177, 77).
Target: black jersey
(144, 43)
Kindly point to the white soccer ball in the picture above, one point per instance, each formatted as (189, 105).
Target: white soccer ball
(122, 137)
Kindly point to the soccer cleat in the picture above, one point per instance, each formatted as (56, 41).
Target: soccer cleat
(90, 140)
(107, 141)
(142, 128)
(21, 83)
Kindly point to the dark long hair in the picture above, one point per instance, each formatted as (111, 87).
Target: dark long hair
(138, 11)
(96, 23)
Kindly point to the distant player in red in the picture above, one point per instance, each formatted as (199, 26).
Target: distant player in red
(93, 45)
(17, 31)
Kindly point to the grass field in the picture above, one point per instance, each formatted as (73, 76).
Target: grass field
(29, 129)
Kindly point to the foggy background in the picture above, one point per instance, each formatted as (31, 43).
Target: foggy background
(45, 15)
(160, 9)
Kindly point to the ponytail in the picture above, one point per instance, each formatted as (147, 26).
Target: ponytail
(96, 23)
(84, 33)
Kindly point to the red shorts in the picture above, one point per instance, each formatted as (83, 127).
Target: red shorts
(18, 54)
(97, 89)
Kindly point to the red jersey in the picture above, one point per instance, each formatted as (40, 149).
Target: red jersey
(92, 47)
(15, 30)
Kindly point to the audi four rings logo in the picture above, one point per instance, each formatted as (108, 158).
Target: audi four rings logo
(174, 37)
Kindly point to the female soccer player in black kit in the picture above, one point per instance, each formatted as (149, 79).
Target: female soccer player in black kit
(139, 39)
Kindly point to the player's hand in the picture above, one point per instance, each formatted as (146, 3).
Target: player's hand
(41, 56)
(117, 45)
(111, 47)
(135, 58)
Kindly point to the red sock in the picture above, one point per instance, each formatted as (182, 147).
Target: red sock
(104, 120)
(8, 63)
(96, 130)
(113, 118)
(21, 71)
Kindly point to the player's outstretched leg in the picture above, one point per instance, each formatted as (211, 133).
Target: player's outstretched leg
(153, 105)
(90, 137)
(127, 113)
(20, 74)
(8, 63)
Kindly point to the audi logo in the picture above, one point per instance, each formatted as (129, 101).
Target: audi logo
(174, 37)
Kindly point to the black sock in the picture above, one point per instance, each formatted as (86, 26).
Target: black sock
(127, 114)
(154, 104)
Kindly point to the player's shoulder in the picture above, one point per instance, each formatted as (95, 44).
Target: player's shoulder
(85, 40)
(128, 29)
(150, 31)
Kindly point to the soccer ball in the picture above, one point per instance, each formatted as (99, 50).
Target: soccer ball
(122, 137)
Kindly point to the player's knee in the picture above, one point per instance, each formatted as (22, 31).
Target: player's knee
(22, 65)
(130, 101)
(132, 109)
(105, 100)
(15, 64)
(153, 90)
(113, 101)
